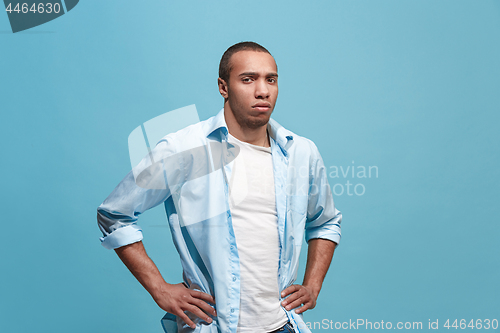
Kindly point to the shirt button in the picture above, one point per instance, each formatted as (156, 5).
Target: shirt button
(234, 279)
(232, 247)
(232, 310)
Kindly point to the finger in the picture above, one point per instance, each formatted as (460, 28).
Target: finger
(186, 319)
(199, 313)
(203, 305)
(293, 296)
(203, 296)
(303, 308)
(297, 302)
(291, 289)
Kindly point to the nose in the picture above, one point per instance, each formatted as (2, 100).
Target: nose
(261, 89)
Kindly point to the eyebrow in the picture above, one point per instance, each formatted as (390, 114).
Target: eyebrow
(272, 74)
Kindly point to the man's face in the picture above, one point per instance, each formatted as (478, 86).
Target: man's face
(252, 89)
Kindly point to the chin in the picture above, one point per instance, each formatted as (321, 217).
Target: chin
(256, 122)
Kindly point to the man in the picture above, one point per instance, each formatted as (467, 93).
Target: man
(239, 191)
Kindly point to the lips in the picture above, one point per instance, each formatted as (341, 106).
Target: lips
(262, 107)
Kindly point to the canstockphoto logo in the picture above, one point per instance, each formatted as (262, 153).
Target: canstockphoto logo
(28, 14)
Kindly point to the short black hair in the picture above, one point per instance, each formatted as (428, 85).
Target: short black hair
(225, 66)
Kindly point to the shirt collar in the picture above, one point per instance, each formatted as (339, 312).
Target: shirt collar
(282, 136)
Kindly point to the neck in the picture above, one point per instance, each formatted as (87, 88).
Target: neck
(256, 136)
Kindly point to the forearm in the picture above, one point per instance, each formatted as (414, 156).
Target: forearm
(319, 256)
(176, 299)
(134, 256)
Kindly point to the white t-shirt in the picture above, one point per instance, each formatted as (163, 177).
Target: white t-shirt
(255, 223)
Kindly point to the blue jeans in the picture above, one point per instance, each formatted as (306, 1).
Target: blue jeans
(285, 329)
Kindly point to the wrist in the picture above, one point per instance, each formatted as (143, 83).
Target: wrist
(158, 289)
(313, 288)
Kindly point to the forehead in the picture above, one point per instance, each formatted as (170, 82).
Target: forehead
(252, 61)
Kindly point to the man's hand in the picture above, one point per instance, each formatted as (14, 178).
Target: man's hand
(299, 295)
(319, 257)
(173, 298)
(176, 298)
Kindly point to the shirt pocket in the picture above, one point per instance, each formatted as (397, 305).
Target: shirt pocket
(297, 212)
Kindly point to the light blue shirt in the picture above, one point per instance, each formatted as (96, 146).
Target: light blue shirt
(188, 171)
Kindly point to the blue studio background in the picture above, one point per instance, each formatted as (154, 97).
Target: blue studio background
(408, 88)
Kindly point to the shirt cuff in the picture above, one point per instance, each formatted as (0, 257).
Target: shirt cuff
(333, 236)
(122, 236)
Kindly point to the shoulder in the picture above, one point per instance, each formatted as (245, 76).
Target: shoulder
(192, 135)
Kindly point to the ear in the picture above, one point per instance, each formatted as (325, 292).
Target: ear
(223, 88)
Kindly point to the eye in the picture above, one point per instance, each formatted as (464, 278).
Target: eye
(271, 80)
(246, 79)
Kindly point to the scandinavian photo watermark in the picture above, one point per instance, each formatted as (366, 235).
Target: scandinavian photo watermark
(155, 165)
(357, 173)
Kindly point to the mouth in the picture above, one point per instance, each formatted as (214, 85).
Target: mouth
(263, 107)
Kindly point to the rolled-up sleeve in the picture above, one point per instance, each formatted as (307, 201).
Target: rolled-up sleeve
(142, 188)
(323, 219)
